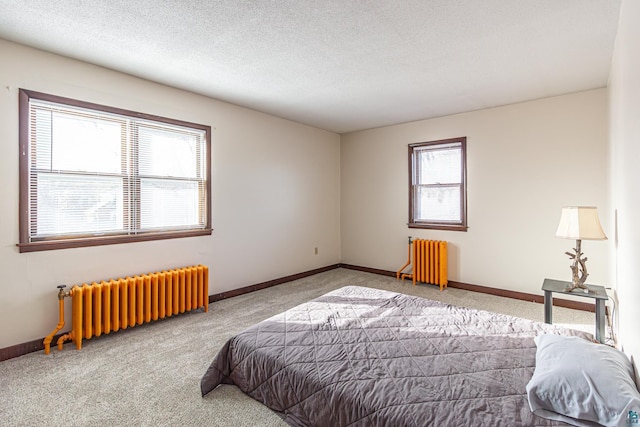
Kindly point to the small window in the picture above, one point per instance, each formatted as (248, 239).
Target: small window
(437, 185)
(93, 175)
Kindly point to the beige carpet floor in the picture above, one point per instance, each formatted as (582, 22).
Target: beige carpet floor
(150, 375)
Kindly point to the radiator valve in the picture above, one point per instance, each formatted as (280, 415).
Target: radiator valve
(61, 293)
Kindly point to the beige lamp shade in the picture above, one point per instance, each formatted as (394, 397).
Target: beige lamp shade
(580, 223)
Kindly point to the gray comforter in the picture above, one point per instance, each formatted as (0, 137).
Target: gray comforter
(366, 357)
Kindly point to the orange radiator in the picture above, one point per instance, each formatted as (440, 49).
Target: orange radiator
(108, 306)
(429, 262)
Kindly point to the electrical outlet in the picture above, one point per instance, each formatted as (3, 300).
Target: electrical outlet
(316, 250)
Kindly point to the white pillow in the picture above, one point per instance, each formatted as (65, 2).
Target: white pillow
(582, 383)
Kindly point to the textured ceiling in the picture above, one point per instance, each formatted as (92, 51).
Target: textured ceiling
(340, 65)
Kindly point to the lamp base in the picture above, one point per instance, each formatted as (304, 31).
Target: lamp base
(578, 269)
(577, 287)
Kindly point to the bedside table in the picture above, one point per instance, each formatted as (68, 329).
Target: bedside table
(549, 286)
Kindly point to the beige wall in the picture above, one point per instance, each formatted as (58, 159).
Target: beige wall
(524, 162)
(624, 99)
(276, 187)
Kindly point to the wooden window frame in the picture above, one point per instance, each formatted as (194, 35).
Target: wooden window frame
(26, 245)
(439, 225)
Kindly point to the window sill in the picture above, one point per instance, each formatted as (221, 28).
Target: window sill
(448, 227)
(47, 245)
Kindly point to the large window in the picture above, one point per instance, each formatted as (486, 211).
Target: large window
(93, 175)
(437, 184)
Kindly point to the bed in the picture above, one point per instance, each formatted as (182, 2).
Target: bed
(359, 357)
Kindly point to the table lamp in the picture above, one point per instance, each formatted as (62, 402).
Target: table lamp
(579, 223)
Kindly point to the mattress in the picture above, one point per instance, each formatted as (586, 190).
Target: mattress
(367, 357)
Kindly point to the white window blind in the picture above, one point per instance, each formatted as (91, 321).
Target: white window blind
(94, 173)
(438, 183)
